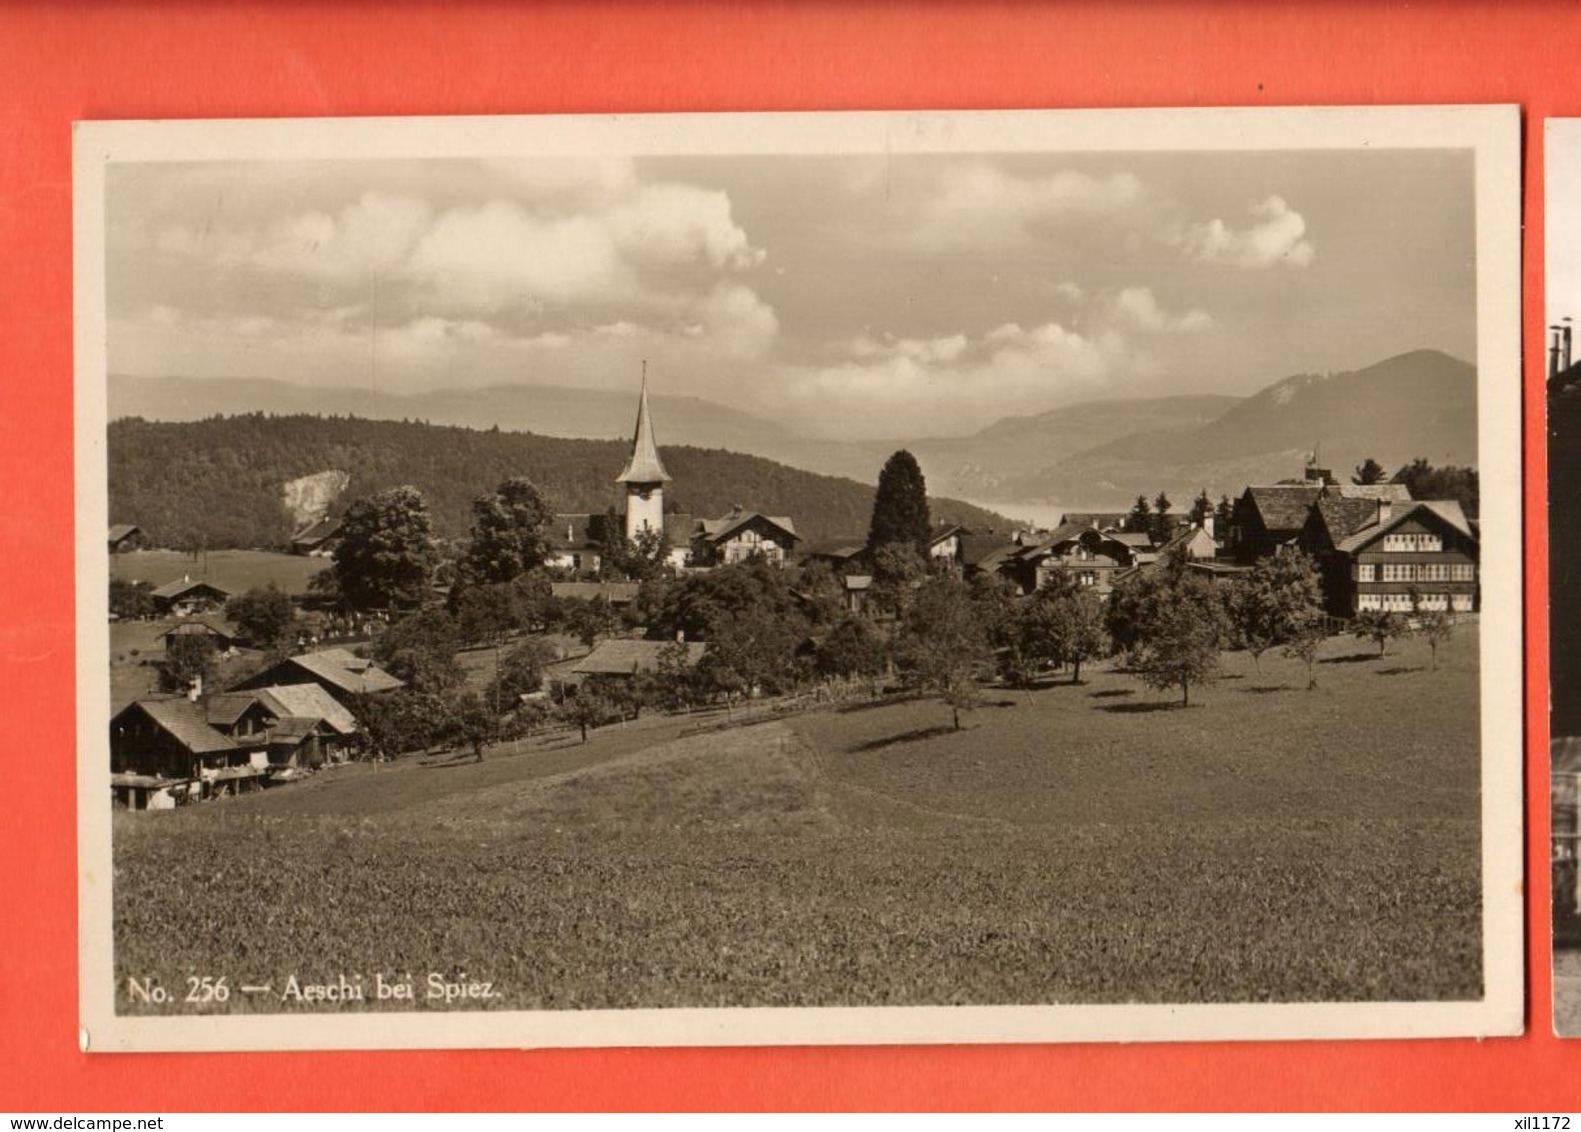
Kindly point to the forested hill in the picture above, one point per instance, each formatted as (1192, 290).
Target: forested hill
(219, 482)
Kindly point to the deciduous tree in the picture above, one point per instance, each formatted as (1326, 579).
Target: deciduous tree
(1180, 648)
(944, 644)
(386, 555)
(1276, 602)
(1369, 472)
(509, 532)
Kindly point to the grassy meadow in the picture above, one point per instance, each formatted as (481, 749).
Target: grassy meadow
(233, 570)
(1072, 844)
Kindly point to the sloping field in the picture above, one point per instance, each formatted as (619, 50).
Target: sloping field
(233, 570)
(1075, 844)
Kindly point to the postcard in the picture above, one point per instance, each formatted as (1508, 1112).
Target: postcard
(799, 578)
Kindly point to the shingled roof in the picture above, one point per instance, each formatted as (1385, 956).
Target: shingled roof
(628, 657)
(1446, 511)
(718, 530)
(308, 701)
(182, 720)
(170, 591)
(1284, 507)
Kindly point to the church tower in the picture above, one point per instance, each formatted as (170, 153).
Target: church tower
(644, 475)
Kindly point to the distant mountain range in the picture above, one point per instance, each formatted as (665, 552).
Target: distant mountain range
(1099, 454)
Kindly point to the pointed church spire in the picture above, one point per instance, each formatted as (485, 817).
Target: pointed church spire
(644, 465)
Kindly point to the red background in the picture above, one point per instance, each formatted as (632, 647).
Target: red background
(185, 60)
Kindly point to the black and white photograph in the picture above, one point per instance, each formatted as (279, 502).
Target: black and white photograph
(729, 579)
(1562, 288)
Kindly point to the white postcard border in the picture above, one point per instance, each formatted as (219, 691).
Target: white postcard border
(1493, 132)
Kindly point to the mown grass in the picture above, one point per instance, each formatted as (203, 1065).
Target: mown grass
(1264, 846)
(233, 570)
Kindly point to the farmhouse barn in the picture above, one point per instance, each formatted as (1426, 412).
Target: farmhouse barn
(221, 640)
(341, 674)
(622, 659)
(319, 539)
(163, 751)
(187, 598)
(124, 537)
(1266, 518)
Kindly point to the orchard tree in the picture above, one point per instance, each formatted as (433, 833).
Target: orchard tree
(420, 649)
(1379, 626)
(520, 672)
(900, 506)
(853, 649)
(131, 600)
(509, 532)
(1182, 639)
(386, 556)
(943, 643)
(1304, 647)
(265, 616)
(1075, 625)
(1276, 602)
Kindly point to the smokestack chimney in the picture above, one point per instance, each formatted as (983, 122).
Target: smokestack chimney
(1565, 330)
(1385, 509)
(1555, 350)
(195, 689)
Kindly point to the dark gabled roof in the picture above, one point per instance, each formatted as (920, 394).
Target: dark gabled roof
(719, 530)
(181, 719)
(1102, 520)
(122, 530)
(318, 532)
(196, 629)
(987, 552)
(626, 657)
(841, 549)
(225, 708)
(293, 729)
(1393, 492)
(944, 531)
(1444, 511)
(308, 701)
(576, 531)
(1283, 507)
(1343, 517)
(334, 667)
(170, 591)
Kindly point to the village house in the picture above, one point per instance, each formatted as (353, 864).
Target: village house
(124, 537)
(840, 555)
(340, 673)
(1089, 557)
(1266, 518)
(163, 752)
(297, 725)
(1418, 556)
(946, 548)
(186, 598)
(620, 659)
(740, 536)
(222, 641)
(317, 539)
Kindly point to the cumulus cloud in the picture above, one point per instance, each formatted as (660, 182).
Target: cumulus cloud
(887, 384)
(978, 203)
(1277, 236)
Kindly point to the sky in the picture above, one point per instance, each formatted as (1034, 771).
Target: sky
(845, 297)
(1562, 218)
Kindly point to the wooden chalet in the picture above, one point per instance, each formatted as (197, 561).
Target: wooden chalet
(340, 673)
(186, 598)
(164, 752)
(222, 640)
(740, 536)
(1420, 556)
(124, 537)
(318, 539)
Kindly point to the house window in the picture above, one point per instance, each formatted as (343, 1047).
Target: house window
(1462, 572)
(1460, 603)
(1369, 601)
(1366, 572)
(1433, 572)
(1399, 572)
(1412, 543)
